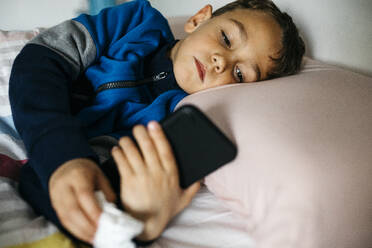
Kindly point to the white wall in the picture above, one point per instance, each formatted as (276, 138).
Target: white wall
(336, 31)
(184, 8)
(27, 14)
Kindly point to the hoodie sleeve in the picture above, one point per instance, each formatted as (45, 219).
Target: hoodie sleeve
(40, 84)
(39, 97)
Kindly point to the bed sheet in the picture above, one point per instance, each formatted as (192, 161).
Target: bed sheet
(206, 223)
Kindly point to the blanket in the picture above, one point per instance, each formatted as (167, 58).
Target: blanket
(19, 225)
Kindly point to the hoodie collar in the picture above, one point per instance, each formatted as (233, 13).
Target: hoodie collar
(160, 62)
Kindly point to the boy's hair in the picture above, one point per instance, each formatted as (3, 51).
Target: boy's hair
(293, 48)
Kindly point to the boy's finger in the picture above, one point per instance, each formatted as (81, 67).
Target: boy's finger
(188, 194)
(132, 154)
(147, 147)
(105, 186)
(121, 162)
(80, 226)
(163, 147)
(73, 217)
(88, 203)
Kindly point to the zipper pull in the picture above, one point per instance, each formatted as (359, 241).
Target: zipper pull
(160, 76)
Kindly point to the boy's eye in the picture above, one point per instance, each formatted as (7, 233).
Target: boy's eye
(239, 75)
(225, 39)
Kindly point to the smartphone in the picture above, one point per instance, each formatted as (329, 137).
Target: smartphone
(199, 146)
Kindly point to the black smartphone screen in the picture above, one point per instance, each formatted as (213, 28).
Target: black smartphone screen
(199, 146)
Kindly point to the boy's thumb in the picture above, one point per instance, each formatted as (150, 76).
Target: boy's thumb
(105, 186)
(189, 193)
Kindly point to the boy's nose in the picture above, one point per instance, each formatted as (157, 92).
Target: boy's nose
(219, 63)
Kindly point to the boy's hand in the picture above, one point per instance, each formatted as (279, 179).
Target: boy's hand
(71, 189)
(150, 189)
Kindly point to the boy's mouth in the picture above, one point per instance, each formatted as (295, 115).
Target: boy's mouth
(200, 69)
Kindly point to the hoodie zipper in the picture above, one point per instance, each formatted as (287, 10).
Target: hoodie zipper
(129, 84)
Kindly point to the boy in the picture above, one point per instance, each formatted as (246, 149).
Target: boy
(104, 74)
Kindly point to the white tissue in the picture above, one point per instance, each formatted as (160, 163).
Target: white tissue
(115, 227)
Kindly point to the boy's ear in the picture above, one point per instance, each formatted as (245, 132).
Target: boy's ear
(193, 23)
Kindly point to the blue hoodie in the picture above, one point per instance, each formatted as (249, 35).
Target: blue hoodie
(51, 72)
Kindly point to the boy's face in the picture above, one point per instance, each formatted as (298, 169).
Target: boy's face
(234, 47)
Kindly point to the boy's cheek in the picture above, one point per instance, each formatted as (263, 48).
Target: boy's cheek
(183, 78)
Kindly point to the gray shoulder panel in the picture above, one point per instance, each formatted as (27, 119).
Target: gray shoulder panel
(71, 40)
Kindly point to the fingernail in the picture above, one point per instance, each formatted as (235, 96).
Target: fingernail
(153, 125)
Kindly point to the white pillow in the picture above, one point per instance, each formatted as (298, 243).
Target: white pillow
(303, 174)
(11, 43)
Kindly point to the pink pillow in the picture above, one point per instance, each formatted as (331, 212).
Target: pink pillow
(303, 174)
